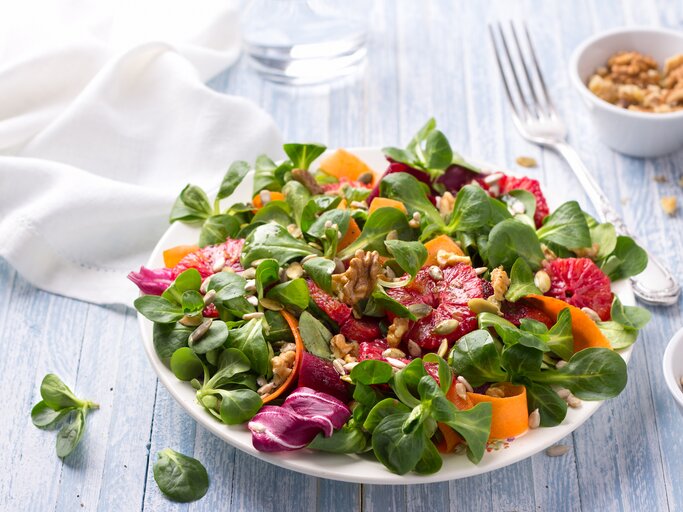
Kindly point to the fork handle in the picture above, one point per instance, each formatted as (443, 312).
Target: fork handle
(656, 284)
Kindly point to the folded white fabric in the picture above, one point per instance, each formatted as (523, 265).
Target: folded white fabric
(96, 142)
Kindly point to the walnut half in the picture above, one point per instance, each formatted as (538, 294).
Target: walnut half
(359, 280)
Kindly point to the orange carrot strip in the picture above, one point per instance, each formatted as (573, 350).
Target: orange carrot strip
(274, 196)
(294, 326)
(441, 242)
(173, 255)
(381, 202)
(510, 415)
(585, 330)
(352, 233)
(342, 164)
(451, 439)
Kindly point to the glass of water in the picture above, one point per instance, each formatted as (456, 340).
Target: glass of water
(304, 41)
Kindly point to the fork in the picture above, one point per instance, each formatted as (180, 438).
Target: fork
(536, 118)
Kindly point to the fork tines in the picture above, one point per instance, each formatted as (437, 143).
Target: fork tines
(524, 85)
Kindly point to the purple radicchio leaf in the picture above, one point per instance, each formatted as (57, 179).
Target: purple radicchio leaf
(293, 425)
(276, 429)
(152, 281)
(400, 167)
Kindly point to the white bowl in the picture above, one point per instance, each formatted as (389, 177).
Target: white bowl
(673, 367)
(640, 134)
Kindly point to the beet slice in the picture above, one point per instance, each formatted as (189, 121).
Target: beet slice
(319, 374)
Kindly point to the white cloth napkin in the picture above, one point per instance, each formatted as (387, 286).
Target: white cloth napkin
(102, 124)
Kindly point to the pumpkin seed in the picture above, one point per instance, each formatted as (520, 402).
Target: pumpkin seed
(542, 281)
(414, 349)
(420, 310)
(394, 352)
(557, 450)
(191, 321)
(482, 306)
(435, 273)
(443, 348)
(446, 327)
(366, 177)
(294, 271)
(271, 304)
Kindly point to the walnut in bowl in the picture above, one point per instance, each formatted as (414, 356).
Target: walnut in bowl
(623, 89)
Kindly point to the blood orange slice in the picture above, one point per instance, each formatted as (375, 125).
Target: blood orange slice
(508, 183)
(579, 282)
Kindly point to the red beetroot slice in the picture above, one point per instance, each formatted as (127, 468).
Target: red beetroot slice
(508, 183)
(360, 330)
(205, 258)
(448, 297)
(515, 311)
(332, 307)
(320, 375)
(579, 282)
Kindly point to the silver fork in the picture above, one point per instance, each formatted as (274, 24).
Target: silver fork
(537, 120)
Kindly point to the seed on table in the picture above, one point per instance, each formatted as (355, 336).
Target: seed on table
(271, 304)
(557, 450)
(542, 281)
(534, 419)
(209, 297)
(446, 327)
(200, 331)
(526, 161)
(251, 316)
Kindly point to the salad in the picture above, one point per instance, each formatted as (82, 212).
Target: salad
(430, 311)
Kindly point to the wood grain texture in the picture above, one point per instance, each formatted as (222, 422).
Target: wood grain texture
(425, 58)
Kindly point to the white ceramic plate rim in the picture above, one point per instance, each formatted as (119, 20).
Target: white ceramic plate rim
(674, 349)
(352, 468)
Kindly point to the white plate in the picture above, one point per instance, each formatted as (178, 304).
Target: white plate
(352, 468)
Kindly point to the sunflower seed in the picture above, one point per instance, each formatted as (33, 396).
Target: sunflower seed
(461, 390)
(200, 331)
(261, 381)
(390, 274)
(443, 348)
(414, 349)
(209, 297)
(250, 285)
(516, 207)
(218, 264)
(251, 316)
(420, 310)
(435, 273)
(339, 267)
(465, 383)
(350, 366)
(316, 246)
(542, 281)
(557, 450)
(480, 270)
(414, 223)
(249, 273)
(396, 363)
(483, 306)
(446, 327)
(591, 314)
(495, 392)
(191, 321)
(563, 393)
(271, 304)
(492, 178)
(534, 419)
(346, 378)
(339, 366)
(359, 205)
(294, 271)
(574, 402)
(392, 235)
(265, 196)
(266, 389)
(205, 285)
(560, 364)
(253, 300)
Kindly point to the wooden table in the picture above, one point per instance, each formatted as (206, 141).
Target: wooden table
(425, 58)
